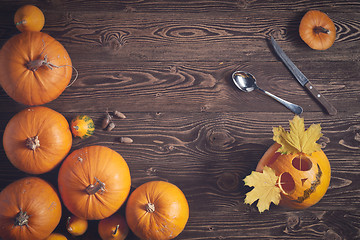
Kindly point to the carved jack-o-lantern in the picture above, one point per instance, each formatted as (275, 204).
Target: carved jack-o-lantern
(303, 179)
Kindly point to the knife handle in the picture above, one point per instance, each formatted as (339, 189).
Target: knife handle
(321, 99)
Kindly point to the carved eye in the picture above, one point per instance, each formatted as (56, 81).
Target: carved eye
(286, 183)
(302, 163)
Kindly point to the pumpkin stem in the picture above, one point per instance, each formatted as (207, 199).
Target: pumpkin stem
(150, 207)
(35, 64)
(21, 218)
(21, 22)
(69, 228)
(94, 188)
(116, 230)
(320, 29)
(32, 143)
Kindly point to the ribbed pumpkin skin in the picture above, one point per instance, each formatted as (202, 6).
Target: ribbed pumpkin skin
(34, 87)
(169, 217)
(53, 134)
(310, 185)
(35, 197)
(81, 169)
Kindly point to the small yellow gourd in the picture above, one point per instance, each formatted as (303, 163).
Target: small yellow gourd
(76, 226)
(82, 126)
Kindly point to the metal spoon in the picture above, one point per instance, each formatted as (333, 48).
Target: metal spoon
(246, 82)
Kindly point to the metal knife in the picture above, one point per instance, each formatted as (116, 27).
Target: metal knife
(302, 79)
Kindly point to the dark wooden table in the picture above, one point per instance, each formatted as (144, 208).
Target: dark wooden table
(167, 65)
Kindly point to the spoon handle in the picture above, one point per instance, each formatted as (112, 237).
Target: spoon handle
(291, 106)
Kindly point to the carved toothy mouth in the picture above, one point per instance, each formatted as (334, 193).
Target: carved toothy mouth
(313, 187)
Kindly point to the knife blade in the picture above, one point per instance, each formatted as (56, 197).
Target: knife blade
(302, 79)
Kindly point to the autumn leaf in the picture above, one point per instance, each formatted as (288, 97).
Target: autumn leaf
(297, 139)
(265, 189)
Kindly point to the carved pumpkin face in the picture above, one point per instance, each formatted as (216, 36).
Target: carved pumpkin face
(303, 179)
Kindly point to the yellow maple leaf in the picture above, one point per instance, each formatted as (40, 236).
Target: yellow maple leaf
(265, 189)
(297, 139)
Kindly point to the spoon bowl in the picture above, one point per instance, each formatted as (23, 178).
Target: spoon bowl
(246, 82)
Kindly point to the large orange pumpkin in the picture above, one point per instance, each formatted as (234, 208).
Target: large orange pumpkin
(157, 210)
(37, 139)
(303, 179)
(94, 182)
(34, 68)
(29, 209)
(317, 30)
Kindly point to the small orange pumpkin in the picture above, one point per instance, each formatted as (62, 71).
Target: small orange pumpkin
(29, 18)
(29, 209)
(94, 182)
(37, 139)
(317, 30)
(35, 68)
(157, 210)
(82, 126)
(303, 179)
(113, 228)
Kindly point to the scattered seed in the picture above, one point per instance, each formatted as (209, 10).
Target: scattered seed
(126, 140)
(111, 126)
(119, 114)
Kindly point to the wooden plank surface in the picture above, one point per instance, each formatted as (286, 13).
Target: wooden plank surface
(167, 65)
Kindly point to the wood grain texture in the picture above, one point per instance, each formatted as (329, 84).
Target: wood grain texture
(198, 6)
(209, 36)
(167, 66)
(198, 37)
(200, 87)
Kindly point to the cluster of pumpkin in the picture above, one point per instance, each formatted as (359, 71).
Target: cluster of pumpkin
(94, 181)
